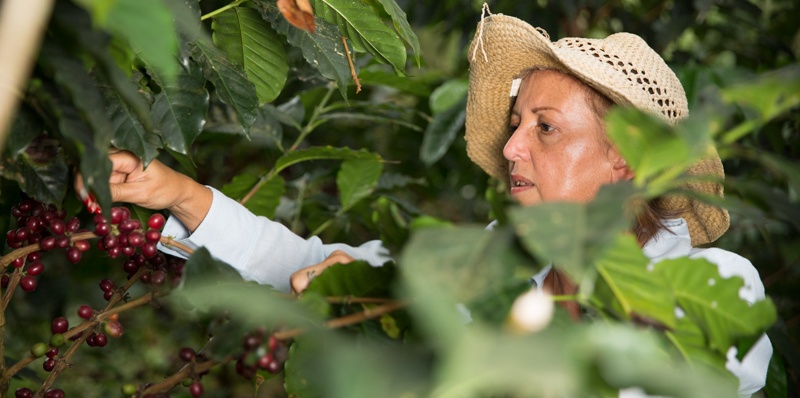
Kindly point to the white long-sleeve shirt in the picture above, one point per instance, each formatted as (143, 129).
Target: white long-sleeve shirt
(267, 252)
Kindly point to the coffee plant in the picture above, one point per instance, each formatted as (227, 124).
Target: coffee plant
(340, 119)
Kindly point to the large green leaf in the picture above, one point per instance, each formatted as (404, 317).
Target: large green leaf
(74, 22)
(445, 266)
(632, 290)
(322, 49)
(658, 153)
(146, 24)
(230, 81)
(82, 119)
(573, 235)
(128, 131)
(356, 279)
(179, 110)
(447, 95)
(713, 303)
(253, 45)
(318, 153)
(442, 131)
(770, 95)
(356, 180)
(358, 22)
(401, 25)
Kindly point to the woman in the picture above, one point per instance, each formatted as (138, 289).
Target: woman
(534, 119)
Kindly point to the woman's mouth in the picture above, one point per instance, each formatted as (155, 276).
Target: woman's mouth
(519, 184)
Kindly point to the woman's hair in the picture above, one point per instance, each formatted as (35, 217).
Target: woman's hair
(649, 218)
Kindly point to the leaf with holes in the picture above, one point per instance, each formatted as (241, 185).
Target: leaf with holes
(252, 44)
(713, 303)
(628, 288)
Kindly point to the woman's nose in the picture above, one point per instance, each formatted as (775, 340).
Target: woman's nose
(515, 149)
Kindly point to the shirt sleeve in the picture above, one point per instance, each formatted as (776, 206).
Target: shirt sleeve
(752, 369)
(260, 249)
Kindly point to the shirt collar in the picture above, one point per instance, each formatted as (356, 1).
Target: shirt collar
(672, 242)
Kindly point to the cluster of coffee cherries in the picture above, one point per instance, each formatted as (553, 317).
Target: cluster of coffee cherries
(123, 236)
(50, 228)
(25, 392)
(257, 355)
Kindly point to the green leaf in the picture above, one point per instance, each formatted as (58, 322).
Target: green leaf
(770, 94)
(657, 153)
(573, 235)
(358, 22)
(179, 110)
(376, 75)
(410, 369)
(39, 167)
(355, 279)
(72, 21)
(447, 95)
(713, 303)
(146, 24)
(128, 131)
(82, 120)
(266, 199)
(776, 378)
(401, 26)
(356, 180)
(322, 49)
(239, 186)
(318, 153)
(202, 268)
(253, 45)
(230, 82)
(445, 266)
(630, 288)
(442, 131)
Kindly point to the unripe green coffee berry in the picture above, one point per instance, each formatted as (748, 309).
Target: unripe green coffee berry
(57, 340)
(39, 349)
(128, 389)
(187, 382)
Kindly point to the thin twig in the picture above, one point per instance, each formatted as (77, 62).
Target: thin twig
(221, 10)
(347, 320)
(186, 371)
(169, 242)
(352, 67)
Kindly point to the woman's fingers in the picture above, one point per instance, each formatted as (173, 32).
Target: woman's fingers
(300, 279)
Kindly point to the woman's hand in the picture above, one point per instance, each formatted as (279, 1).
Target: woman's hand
(157, 187)
(300, 279)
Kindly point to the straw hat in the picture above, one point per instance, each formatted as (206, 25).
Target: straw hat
(622, 67)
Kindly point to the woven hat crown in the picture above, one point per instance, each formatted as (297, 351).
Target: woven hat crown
(622, 67)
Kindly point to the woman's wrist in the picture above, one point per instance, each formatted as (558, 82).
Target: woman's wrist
(195, 203)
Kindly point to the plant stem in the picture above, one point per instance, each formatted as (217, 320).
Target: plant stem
(347, 320)
(565, 297)
(221, 10)
(186, 371)
(312, 120)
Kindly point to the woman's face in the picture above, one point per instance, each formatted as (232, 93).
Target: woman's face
(557, 151)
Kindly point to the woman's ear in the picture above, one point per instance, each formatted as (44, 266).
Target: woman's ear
(619, 167)
(621, 171)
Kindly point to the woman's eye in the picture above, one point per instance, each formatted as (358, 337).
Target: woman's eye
(546, 128)
(512, 128)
